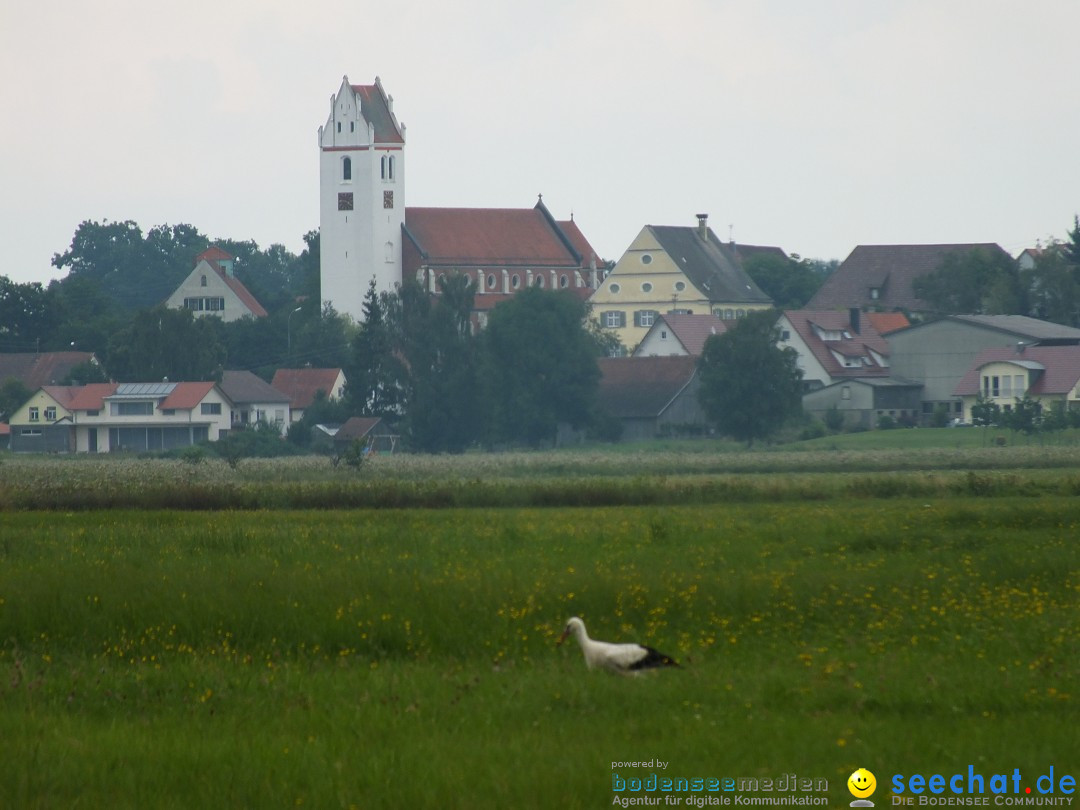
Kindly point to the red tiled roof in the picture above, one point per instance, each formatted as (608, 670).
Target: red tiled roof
(302, 384)
(693, 330)
(501, 237)
(186, 395)
(1060, 368)
(213, 255)
(89, 397)
(242, 293)
(885, 322)
(890, 270)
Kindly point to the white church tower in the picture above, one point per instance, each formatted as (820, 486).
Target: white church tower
(362, 196)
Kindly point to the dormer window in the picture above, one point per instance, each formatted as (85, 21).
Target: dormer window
(875, 293)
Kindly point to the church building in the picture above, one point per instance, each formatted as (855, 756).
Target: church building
(366, 232)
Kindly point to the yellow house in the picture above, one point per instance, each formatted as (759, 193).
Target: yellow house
(1003, 375)
(671, 269)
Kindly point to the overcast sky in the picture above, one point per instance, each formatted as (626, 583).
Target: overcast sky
(811, 125)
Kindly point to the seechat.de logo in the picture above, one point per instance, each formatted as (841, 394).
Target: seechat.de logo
(862, 785)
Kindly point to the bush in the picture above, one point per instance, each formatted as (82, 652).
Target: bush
(886, 422)
(834, 420)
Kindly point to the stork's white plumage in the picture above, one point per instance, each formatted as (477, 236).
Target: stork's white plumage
(626, 659)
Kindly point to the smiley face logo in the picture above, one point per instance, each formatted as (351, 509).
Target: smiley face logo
(862, 784)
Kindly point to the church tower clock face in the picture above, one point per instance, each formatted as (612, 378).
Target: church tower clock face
(388, 199)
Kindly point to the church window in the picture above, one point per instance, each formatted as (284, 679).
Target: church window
(646, 287)
(516, 282)
(680, 286)
(491, 281)
(564, 282)
(539, 282)
(339, 126)
(390, 167)
(382, 167)
(389, 252)
(646, 258)
(614, 288)
(346, 168)
(352, 126)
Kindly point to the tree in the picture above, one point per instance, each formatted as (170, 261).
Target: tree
(540, 366)
(749, 385)
(12, 396)
(985, 412)
(374, 372)
(975, 282)
(163, 342)
(789, 282)
(440, 383)
(1053, 288)
(27, 315)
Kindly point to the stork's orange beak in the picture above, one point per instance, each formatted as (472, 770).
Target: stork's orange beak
(562, 638)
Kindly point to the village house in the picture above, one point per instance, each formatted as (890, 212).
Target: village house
(939, 353)
(254, 400)
(111, 417)
(213, 289)
(1004, 374)
(652, 397)
(303, 385)
(679, 270)
(881, 277)
(679, 334)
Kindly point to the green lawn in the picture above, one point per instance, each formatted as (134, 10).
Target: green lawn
(406, 658)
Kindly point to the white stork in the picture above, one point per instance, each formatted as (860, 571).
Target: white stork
(626, 659)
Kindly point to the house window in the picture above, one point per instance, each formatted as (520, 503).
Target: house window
(729, 314)
(645, 317)
(646, 258)
(785, 334)
(35, 415)
(346, 169)
(31, 431)
(995, 387)
(614, 288)
(1018, 384)
(50, 414)
(138, 408)
(345, 201)
(210, 409)
(680, 286)
(613, 319)
(646, 286)
(845, 392)
(1006, 386)
(202, 281)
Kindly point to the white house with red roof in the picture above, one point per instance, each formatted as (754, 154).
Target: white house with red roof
(366, 231)
(677, 334)
(212, 289)
(110, 417)
(833, 345)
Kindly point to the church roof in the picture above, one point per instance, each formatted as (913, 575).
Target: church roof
(495, 237)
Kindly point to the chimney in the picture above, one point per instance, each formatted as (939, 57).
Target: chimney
(703, 225)
(1020, 346)
(853, 316)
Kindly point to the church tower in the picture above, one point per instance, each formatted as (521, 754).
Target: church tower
(362, 196)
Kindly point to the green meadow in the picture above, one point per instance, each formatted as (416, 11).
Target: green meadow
(242, 655)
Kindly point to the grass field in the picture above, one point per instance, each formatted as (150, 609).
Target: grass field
(405, 657)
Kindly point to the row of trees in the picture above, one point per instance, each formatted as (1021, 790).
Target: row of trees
(983, 282)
